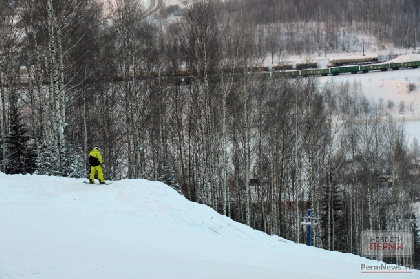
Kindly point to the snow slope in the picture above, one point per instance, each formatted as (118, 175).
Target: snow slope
(53, 227)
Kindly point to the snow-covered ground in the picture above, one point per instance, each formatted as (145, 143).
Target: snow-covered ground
(53, 227)
(391, 87)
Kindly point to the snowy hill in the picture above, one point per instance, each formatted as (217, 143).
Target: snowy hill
(53, 227)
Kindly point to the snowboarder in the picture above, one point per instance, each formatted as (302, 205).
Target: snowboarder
(95, 162)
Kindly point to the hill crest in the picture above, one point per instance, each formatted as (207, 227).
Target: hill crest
(54, 227)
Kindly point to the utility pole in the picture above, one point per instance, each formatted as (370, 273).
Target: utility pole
(415, 26)
(363, 47)
(309, 221)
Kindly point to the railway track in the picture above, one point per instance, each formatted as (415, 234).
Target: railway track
(185, 78)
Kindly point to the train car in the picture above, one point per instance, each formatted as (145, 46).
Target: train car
(395, 66)
(262, 75)
(180, 80)
(374, 67)
(301, 66)
(358, 60)
(314, 72)
(182, 77)
(412, 64)
(285, 74)
(345, 69)
(283, 67)
(234, 71)
(258, 69)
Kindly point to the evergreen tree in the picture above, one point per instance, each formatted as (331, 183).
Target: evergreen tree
(168, 177)
(416, 235)
(77, 163)
(45, 158)
(19, 156)
(333, 217)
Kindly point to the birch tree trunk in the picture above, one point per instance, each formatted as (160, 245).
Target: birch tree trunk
(3, 122)
(57, 92)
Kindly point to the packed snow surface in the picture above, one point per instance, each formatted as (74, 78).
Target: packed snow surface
(53, 227)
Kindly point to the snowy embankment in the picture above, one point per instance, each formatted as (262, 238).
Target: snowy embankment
(53, 227)
(391, 88)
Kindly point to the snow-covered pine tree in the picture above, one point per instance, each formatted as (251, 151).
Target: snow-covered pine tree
(76, 163)
(168, 177)
(19, 156)
(46, 161)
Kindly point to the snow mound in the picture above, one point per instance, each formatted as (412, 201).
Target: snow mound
(406, 58)
(52, 227)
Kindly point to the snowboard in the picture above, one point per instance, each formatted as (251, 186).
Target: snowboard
(97, 183)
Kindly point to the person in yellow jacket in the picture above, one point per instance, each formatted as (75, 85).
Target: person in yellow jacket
(95, 162)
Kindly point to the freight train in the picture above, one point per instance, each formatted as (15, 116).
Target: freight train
(281, 71)
(353, 69)
(284, 71)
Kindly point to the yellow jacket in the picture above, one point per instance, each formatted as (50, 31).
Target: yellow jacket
(95, 158)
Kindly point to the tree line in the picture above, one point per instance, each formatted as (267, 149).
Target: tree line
(307, 26)
(259, 150)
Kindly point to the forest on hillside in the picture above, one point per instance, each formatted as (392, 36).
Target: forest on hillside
(75, 74)
(310, 26)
